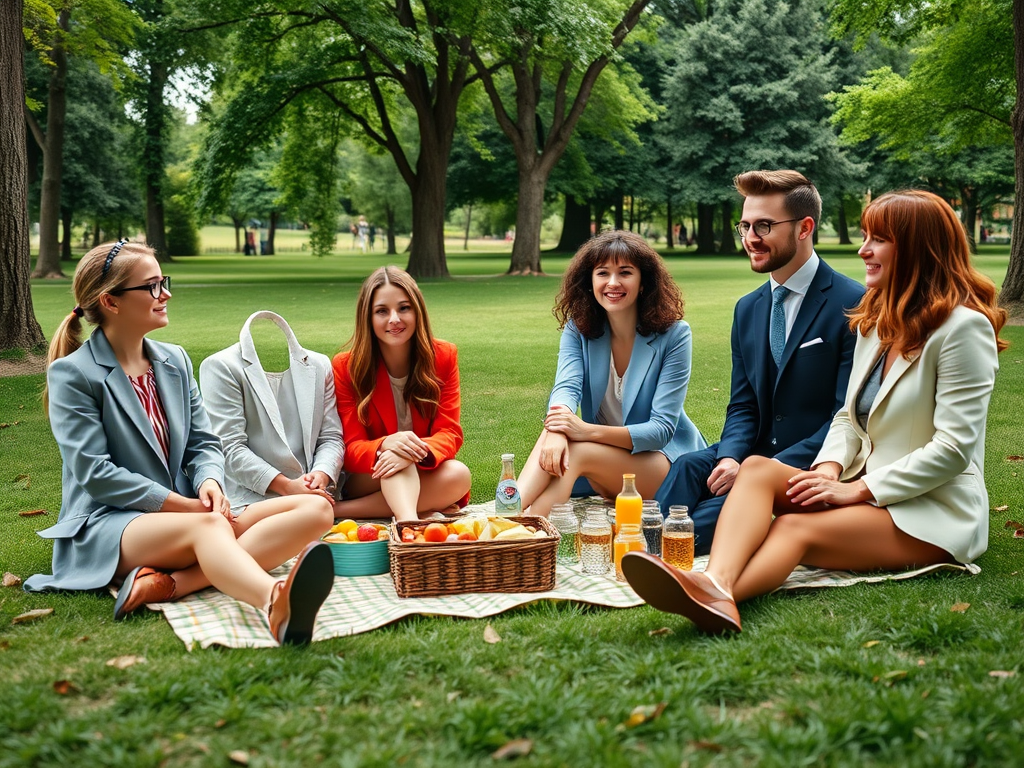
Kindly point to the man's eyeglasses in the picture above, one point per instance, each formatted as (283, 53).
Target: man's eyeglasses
(761, 228)
(155, 288)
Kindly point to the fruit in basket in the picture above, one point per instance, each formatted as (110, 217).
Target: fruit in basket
(467, 536)
(511, 534)
(408, 534)
(435, 532)
(382, 534)
(452, 537)
(366, 532)
(344, 526)
(336, 538)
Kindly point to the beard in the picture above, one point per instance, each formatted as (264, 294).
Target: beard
(778, 258)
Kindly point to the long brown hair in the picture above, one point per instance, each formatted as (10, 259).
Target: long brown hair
(659, 305)
(91, 282)
(931, 272)
(423, 388)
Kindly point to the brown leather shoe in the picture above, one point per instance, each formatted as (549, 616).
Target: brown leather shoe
(295, 601)
(142, 585)
(689, 594)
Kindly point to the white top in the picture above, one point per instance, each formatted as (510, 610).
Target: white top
(288, 405)
(401, 406)
(610, 412)
(797, 284)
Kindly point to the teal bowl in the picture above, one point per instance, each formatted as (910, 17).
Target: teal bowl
(367, 558)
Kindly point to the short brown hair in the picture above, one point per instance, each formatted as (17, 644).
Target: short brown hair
(801, 197)
(659, 305)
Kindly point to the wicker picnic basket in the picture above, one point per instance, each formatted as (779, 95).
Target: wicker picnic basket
(451, 568)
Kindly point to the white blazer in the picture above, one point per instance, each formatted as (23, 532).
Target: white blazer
(245, 414)
(923, 453)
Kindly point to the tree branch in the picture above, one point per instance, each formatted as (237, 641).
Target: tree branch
(264, 15)
(36, 129)
(369, 44)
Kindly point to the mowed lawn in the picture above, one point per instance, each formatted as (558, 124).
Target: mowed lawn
(867, 675)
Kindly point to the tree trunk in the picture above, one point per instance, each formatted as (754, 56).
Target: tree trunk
(48, 263)
(969, 214)
(728, 241)
(426, 255)
(389, 214)
(65, 233)
(575, 225)
(599, 211)
(529, 215)
(469, 216)
(239, 224)
(842, 226)
(705, 236)
(155, 130)
(95, 233)
(1012, 294)
(670, 233)
(631, 220)
(272, 232)
(620, 212)
(19, 328)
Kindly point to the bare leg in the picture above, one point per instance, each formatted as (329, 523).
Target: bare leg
(604, 466)
(271, 531)
(752, 554)
(533, 480)
(406, 493)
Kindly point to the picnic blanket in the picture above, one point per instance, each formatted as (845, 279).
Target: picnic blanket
(360, 604)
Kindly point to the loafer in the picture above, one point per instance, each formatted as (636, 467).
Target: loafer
(142, 585)
(296, 600)
(693, 595)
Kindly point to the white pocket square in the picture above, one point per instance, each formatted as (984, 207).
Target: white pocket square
(812, 342)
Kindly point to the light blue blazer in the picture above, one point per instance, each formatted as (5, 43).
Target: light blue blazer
(653, 389)
(113, 467)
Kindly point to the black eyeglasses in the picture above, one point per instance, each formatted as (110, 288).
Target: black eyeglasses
(155, 288)
(761, 228)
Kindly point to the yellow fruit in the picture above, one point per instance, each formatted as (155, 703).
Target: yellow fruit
(335, 538)
(353, 535)
(344, 526)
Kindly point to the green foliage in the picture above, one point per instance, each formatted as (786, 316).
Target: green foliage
(179, 216)
(99, 30)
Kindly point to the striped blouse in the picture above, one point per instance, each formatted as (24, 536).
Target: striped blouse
(145, 388)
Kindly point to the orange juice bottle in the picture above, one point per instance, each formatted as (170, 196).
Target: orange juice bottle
(628, 539)
(628, 504)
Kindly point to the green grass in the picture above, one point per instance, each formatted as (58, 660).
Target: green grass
(798, 686)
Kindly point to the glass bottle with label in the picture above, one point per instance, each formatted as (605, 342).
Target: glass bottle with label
(650, 524)
(595, 541)
(677, 538)
(628, 539)
(564, 519)
(506, 498)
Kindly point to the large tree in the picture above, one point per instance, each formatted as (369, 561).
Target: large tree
(555, 51)
(19, 328)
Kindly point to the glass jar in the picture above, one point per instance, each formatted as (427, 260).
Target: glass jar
(564, 519)
(595, 541)
(628, 539)
(650, 524)
(677, 538)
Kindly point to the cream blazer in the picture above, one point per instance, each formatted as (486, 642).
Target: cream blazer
(923, 453)
(244, 413)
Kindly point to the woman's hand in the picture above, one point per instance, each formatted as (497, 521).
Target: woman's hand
(408, 445)
(316, 480)
(213, 499)
(565, 422)
(388, 464)
(554, 453)
(822, 486)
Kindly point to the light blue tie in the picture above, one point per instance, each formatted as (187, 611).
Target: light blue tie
(777, 328)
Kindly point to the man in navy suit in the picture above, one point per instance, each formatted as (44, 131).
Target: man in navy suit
(792, 349)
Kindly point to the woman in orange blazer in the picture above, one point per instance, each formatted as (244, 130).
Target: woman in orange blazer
(397, 389)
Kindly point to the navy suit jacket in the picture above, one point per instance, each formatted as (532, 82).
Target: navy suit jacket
(785, 411)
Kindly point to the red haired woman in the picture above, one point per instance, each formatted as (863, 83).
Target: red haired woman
(398, 398)
(899, 481)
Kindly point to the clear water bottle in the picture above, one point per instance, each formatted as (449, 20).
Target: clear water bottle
(506, 498)
(596, 541)
(564, 519)
(650, 523)
(677, 538)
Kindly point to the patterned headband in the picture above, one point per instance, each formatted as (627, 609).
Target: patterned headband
(113, 252)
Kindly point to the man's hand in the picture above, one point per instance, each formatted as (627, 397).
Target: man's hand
(723, 476)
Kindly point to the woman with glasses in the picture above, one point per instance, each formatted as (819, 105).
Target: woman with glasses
(399, 400)
(624, 362)
(142, 477)
(899, 481)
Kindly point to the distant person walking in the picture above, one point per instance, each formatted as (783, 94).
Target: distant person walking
(364, 233)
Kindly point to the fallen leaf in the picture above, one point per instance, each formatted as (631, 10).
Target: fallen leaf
(922, 734)
(10, 580)
(1014, 524)
(662, 631)
(1001, 508)
(4, 645)
(452, 696)
(123, 662)
(1015, 458)
(514, 748)
(239, 756)
(871, 643)
(490, 635)
(38, 613)
(641, 714)
(921, 662)
(32, 512)
(891, 677)
(64, 687)
(1018, 534)
(710, 746)
(24, 481)
(220, 723)
(959, 607)
(1002, 673)
(82, 639)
